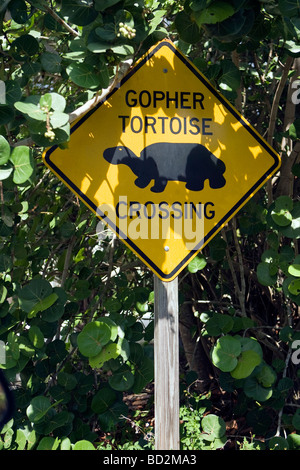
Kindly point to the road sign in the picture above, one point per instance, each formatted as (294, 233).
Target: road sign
(165, 160)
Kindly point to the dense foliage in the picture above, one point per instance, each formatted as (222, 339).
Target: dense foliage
(73, 304)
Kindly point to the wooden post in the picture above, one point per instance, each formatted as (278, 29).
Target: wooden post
(166, 365)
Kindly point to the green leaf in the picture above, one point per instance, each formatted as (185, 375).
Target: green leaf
(35, 291)
(289, 7)
(215, 13)
(43, 304)
(247, 362)
(278, 443)
(198, 263)
(93, 337)
(83, 445)
(38, 408)
(256, 391)
(103, 400)
(294, 287)
(122, 379)
(188, 29)
(58, 119)
(266, 376)
(225, 353)
(36, 336)
(79, 12)
(231, 76)
(66, 380)
(83, 75)
(101, 5)
(32, 110)
(4, 150)
(13, 92)
(6, 114)
(213, 427)
(110, 351)
(264, 275)
(219, 323)
(51, 62)
(22, 160)
(143, 375)
(294, 270)
(26, 45)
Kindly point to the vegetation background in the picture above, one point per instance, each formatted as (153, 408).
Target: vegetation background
(78, 353)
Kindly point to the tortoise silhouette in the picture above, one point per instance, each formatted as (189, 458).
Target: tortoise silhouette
(162, 162)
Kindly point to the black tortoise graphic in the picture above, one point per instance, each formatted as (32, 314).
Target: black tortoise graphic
(163, 162)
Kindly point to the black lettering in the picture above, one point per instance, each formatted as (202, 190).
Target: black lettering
(204, 126)
(133, 101)
(198, 98)
(171, 125)
(145, 103)
(197, 131)
(148, 123)
(163, 118)
(197, 209)
(166, 211)
(153, 210)
(179, 211)
(134, 207)
(183, 100)
(169, 99)
(117, 210)
(139, 129)
(158, 96)
(123, 122)
(211, 213)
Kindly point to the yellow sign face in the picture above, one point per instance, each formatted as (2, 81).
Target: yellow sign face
(165, 160)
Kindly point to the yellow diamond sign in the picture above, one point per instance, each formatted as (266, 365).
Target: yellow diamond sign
(164, 160)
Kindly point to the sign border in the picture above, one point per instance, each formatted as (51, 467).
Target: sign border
(233, 210)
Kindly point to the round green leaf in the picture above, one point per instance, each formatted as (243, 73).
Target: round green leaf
(225, 353)
(188, 29)
(265, 277)
(198, 263)
(38, 408)
(256, 391)
(281, 217)
(215, 13)
(294, 287)
(26, 45)
(22, 160)
(4, 150)
(247, 362)
(36, 336)
(278, 443)
(110, 351)
(83, 445)
(266, 376)
(294, 270)
(83, 75)
(93, 337)
(122, 379)
(32, 110)
(51, 62)
(213, 427)
(103, 400)
(6, 114)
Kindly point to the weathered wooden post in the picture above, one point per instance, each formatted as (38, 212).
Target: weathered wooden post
(166, 365)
